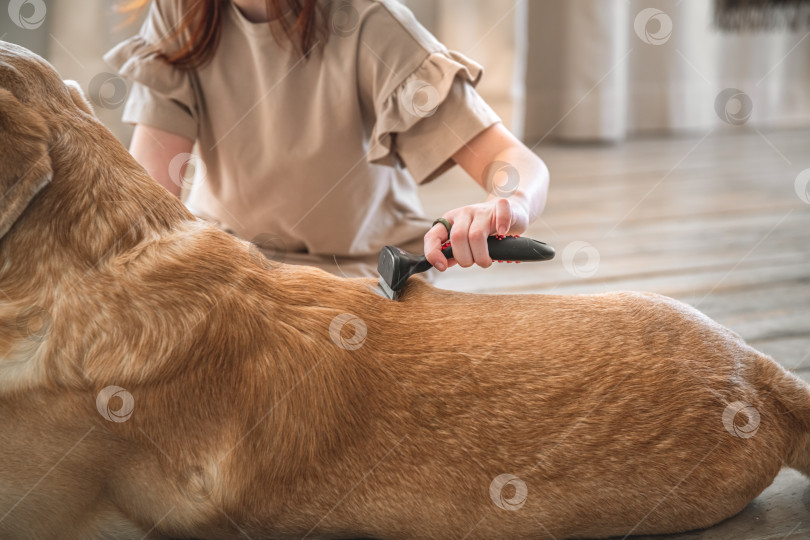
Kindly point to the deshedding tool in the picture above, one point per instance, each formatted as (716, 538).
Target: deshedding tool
(396, 265)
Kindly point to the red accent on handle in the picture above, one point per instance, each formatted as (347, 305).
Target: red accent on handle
(499, 237)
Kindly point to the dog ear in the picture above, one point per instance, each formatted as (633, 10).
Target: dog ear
(77, 95)
(25, 165)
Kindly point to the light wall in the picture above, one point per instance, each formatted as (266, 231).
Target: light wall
(73, 35)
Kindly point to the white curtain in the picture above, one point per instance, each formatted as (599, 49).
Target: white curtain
(491, 32)
(607, 69)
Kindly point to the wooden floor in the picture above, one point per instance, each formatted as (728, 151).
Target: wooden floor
(713, 220)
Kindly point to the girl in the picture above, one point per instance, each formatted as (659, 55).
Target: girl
(314, 122)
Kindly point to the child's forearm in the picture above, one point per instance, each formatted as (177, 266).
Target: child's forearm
(521, 176)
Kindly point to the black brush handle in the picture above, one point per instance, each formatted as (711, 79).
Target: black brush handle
(513, 248)
(396, 265)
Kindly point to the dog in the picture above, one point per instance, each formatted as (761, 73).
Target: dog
(159, 378)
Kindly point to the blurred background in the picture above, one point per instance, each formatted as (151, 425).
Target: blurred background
(575, 70)
(679, 155)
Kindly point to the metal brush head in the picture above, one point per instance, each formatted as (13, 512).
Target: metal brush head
(388, 291)
(395, 266)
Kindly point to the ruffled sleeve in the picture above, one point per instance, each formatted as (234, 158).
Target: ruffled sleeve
(431, 115)
(162, 96)
(422, 96)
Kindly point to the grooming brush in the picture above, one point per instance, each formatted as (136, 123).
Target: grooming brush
(396, 265)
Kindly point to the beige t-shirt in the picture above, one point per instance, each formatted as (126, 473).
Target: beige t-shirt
(316, 160)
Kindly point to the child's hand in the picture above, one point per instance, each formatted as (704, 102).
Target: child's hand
(471, 225)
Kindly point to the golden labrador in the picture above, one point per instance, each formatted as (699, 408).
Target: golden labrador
(160, 379)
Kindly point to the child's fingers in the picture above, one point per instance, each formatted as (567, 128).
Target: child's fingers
(503, 216)
(459, 237)
(434, 239)
(479, 232)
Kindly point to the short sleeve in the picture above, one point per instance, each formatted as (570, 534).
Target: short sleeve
(162, 96)
(423, 95)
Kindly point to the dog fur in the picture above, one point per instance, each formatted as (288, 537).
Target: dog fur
(268, 400)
